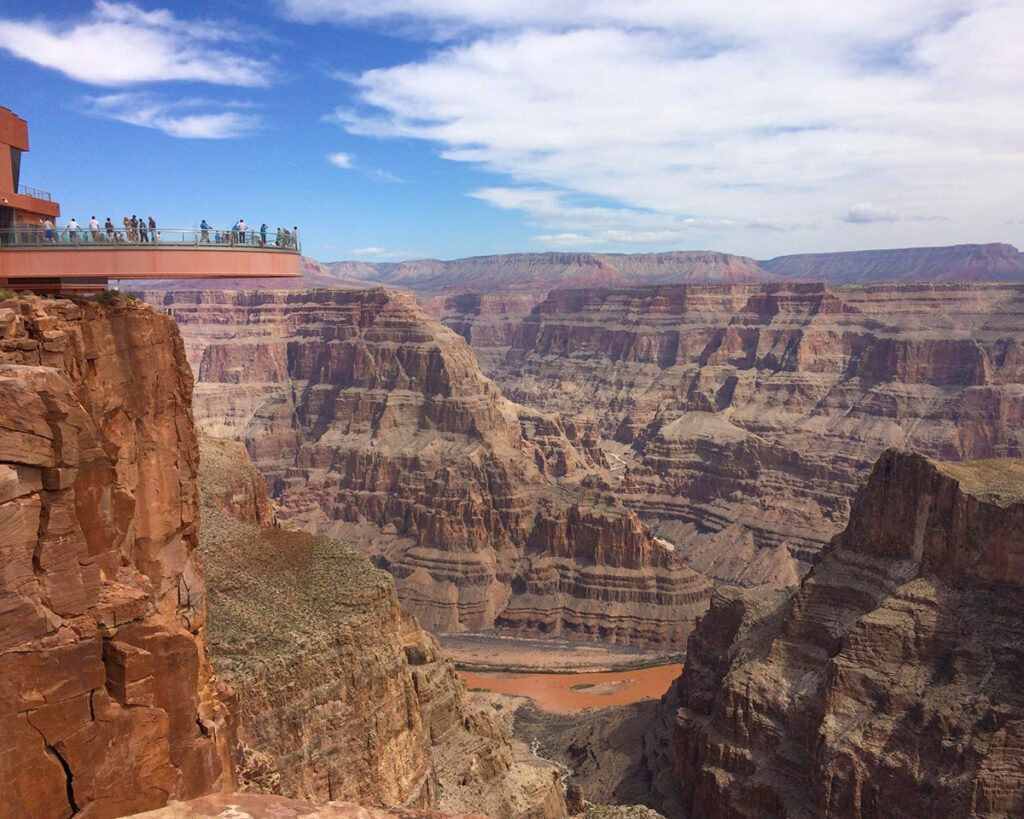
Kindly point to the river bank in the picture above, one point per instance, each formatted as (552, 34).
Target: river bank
(492, 652)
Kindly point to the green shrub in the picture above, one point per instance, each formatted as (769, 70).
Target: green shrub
(115, 297)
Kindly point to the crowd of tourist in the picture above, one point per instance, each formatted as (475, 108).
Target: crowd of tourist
(143, 230)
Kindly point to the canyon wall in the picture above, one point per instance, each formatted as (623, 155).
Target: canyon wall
(107, 701)
(535, 274)
(340, 695)
(888, 684)
(739, 419)
(373, 424)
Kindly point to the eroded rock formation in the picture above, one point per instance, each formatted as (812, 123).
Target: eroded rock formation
(374, 424)
(339, 693)
(889, 683)
(740, 419)
(107, 702)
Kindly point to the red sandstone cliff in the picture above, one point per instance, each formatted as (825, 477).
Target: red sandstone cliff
(107, 702)
(373, 423)
(889, 683)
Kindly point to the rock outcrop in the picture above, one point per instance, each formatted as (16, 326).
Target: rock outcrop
(340, 695)
(740, 419)
(107, 701)
(889, 683)
(260, 806)
(373, 423)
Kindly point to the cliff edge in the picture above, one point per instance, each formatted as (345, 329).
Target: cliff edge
(107, 701)
(889, 683)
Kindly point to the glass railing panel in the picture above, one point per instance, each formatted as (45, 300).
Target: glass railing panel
(121, 237)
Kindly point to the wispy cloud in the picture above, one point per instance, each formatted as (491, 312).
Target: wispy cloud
(601, 225)
(386, 253)
(187, 119)
(340, 160)
(688, 119)
(381, 175)
(121, 44)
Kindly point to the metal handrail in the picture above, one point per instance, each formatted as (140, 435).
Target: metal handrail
(35, 236)
(35, 193)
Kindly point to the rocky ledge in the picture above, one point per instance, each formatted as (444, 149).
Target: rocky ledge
(259, 806)
(889, 683)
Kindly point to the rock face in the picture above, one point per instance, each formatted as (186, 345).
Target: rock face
(339, 693)
(107, 702)
(374, 424)
(889, 683)
(743, 417)
(488, 322)
(990, 262)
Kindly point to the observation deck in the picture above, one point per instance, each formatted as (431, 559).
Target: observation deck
(37, 255)
(79, 261)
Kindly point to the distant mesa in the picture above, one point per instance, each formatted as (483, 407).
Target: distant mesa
(988, 262)
(532, 275)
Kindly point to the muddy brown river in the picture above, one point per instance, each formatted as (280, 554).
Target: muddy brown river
(566, 693)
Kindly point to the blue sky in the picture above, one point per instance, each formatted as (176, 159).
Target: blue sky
(391, 129)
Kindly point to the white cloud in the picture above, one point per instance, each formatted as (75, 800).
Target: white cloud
(187, 119)
(340, 160)
(692, 119)
(121, 44)
(867, 212)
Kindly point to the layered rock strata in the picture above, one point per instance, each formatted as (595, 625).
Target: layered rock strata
(107, 701)
(488, 322)
(889, 683)
(373, 423)
(339, 693)
(740, 419)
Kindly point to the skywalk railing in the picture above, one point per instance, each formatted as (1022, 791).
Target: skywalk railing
(120, 238)
(35, 193)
